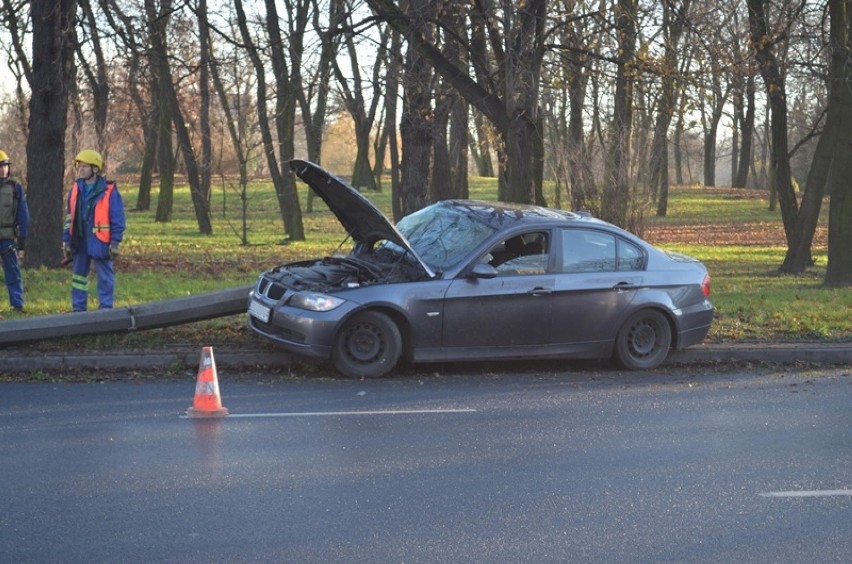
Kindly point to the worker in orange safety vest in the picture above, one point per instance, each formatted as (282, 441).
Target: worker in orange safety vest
(94, 228)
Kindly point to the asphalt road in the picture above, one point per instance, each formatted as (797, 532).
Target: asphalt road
(685, 465)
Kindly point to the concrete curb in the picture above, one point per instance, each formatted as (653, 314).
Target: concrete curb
(775, 353)
(243, 359)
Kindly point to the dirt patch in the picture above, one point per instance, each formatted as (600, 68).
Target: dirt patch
(755, 234)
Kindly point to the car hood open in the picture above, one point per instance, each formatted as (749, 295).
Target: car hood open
(359, 217)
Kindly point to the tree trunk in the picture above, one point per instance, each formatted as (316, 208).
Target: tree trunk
(481, 149)
(285, 118)
(780, 177)
(314, 110)
(149, 158)
(659, 167)
(616, 194)
(719, 99)
(97, 79)
(521, 99)
(124, 28)
(356, 106)
(839, 270)
(457, 139)
(165, 158)
(52, 70)
(263, 120)
(514, 113)
(204, 63)
(159, 52)
(677, 142)
(441, 187)
(232, 118)
(584, 192)
(391, 96)
(416, 124)
(747, 136)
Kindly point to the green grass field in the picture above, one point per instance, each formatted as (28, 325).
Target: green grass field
(732, 231)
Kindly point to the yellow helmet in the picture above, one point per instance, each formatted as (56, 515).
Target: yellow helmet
(4, 158)
(90, 157)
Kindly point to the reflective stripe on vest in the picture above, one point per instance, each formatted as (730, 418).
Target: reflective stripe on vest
(101, 226)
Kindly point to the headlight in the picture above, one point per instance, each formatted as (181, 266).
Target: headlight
(314, 301)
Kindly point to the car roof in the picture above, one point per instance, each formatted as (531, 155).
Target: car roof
(501, 215)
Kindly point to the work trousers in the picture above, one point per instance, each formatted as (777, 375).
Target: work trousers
(12, 273)
(80, 282)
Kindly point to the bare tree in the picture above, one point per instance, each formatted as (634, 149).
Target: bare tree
(313, 91)
(157, 55)
(206, 159)
(512, 108)
(352, 90)
(394, 68)
(449, 148)
(13, 19)
(415, 126)
(141, 86)
(673, 26)
(285, 103)
(762, 43)
(283, 182)
(576, 38)
(237, 108)
(617, 183)
(95, 77)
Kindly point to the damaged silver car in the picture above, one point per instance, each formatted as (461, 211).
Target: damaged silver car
(476, 280)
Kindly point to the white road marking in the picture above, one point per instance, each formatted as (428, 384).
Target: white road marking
(338, 413)
(812, 493)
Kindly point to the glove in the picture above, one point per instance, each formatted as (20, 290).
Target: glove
(114, 250)
(66, 255)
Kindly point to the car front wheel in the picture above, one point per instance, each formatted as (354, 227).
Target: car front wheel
(368, 346)
(643, 341)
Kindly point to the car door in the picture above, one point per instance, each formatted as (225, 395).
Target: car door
(512, 309)
(600, 274)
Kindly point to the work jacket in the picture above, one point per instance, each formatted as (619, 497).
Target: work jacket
(95, 218)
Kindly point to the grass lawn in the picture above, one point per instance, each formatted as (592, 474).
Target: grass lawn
(731, 230)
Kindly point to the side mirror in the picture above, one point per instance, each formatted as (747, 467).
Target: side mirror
(483, 270)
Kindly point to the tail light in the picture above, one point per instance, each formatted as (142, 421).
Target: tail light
(705, 286)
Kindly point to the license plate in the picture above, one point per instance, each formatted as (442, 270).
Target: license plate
(260, 311)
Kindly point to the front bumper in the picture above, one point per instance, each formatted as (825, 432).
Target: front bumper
(306, 333)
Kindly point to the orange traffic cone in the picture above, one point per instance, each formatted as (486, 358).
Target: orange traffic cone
(207, 401)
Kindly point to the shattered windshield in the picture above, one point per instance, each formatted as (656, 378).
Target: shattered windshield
(443, 235)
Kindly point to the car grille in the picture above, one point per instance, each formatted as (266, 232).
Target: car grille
(272, 290)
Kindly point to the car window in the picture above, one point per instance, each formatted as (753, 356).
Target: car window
(523, 254)
(585, 250)
(630, 257)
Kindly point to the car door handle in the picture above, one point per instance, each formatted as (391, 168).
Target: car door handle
(539, 291)
(625, 286)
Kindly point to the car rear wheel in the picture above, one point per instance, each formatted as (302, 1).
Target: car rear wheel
(368, 346)
(643, 341)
